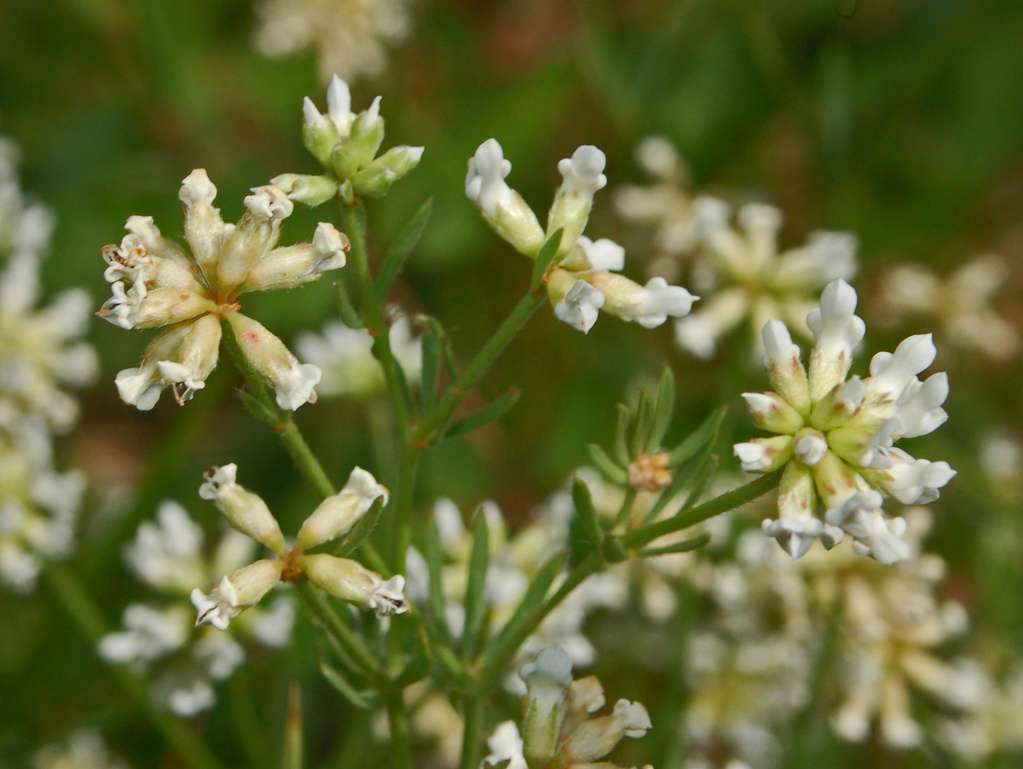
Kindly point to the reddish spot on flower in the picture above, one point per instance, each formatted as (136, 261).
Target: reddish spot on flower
(252, 336)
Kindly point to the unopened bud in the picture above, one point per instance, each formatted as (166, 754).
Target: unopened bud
(336, 515)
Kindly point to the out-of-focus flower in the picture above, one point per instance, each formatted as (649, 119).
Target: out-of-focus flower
(159, 639)
(334, 517)
(835, 437)
(560, 726)
(345, 357)
(583, 279)
(960, 304)
(156, 284)
(994, 725)
(514, 560)
(83, 750)
(678, 220)
(891, 629)
(346, 145)
(751, 279)
(349, 37)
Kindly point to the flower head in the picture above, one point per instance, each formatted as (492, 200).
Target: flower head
(753, 280)
(157, 284)
(582, 279)
(834, 436)
(332, 519)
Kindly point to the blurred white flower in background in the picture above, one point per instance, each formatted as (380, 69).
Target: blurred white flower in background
(959, 304)
(40, 358)
(345, 357)
(348, 37)
(83, 750)
(158, 637)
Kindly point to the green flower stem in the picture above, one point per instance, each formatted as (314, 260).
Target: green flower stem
(401, 737)
(472, 717)
(353, 221)
(625, 511)
(700, 513)
(503, 650)
(347, 638)
(80, 606)
(433, 424)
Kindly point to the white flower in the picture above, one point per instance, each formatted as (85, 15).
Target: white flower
(580, 306)
(505, 744)
(754, 280)
(83, 750)
(349, 37)
(148, 635)
(345, 357)
(960, 304)
(155, 283)
(834, 436)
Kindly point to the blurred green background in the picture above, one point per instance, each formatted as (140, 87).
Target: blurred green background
(900, 120)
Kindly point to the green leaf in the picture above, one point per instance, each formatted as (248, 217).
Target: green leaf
(607, 466)
(587, 534)
(706, 471)
(404, 242)
(362, 531)
(622, 435)
(664, 407)
(476, 587)
(642, 424)
(545, 258)
(493, 411)
(431, 365)
(337, 679)
(535, 594)
(700, 437)
(684, 546)
(435, 566)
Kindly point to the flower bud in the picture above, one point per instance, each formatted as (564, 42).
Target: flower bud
(796, 528)
(292, 266)
(576, 302)
(244, 588)
(837, 331)
(310, 190)
(246, 511)
(597, 737)
(137, 307)
(336, 515)
(762, 455)
(547, 678)
(839, 406)
(362, 143)
(194, 360)
(503, 208)
(771, 412)
(788, 377)
(204, 229)
(293, 382)
(318, 133)
(582, 175)
(254, 236)
(648, 305)
(351, 581)
(376, 179)
(141, 387)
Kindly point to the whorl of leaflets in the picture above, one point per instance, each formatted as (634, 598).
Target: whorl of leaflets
(835, 436)
(188, 293)
(560, 726)
(333, 518)
(583, 278)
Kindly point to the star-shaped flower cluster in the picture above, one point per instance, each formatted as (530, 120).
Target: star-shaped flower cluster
(333, 518)
(157, 284)
(835, 436)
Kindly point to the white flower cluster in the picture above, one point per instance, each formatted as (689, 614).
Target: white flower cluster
(345, 357)
(960, 303)
(585, 277)
(835, 435)
(343, 578)
(750, 276)
(40, 358)
(156, 284)
(513, 562)
(560, 725)
(349, 37)
(159, 638)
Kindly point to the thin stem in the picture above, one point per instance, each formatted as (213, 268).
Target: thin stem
(472, 718)
(348, 639)
(625, 511)
(401, 738)
(433, 424)
(80, 606)
(504, 648)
